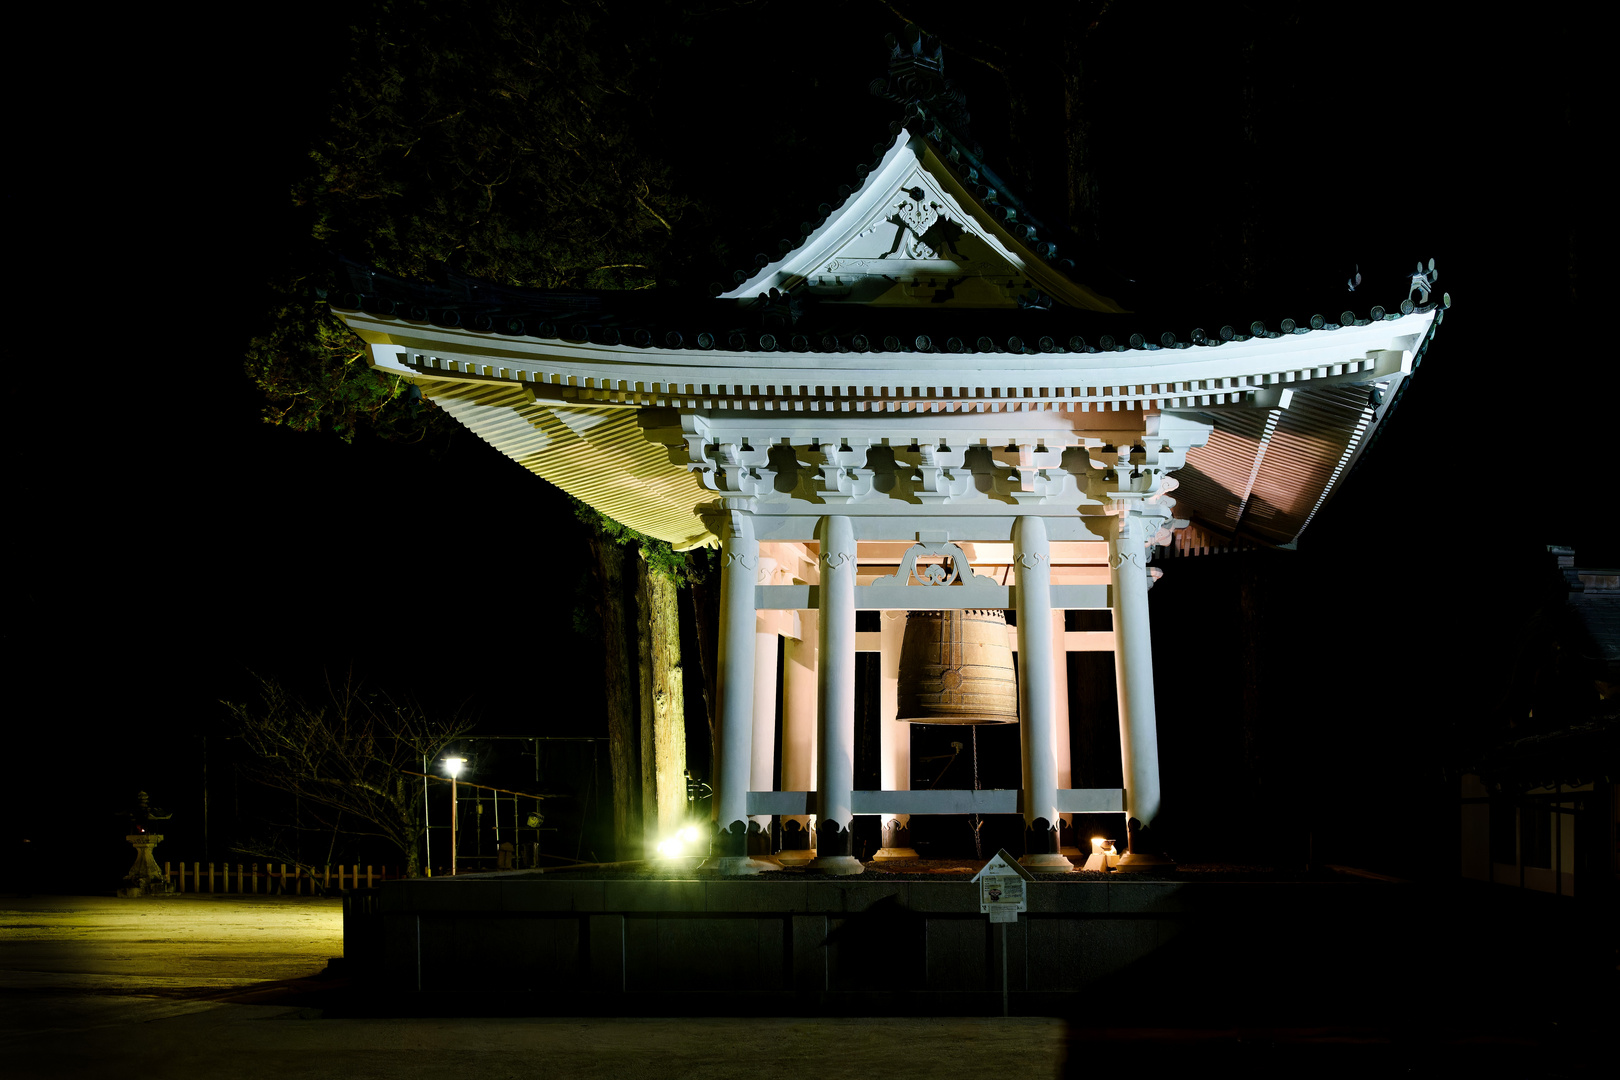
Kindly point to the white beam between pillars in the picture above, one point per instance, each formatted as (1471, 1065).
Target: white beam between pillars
(931, 598)
(940, 801)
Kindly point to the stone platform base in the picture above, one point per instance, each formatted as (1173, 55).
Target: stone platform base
(808, 942)
(888, 854)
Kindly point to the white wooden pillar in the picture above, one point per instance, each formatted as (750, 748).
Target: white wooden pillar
(799, 732)
(894, 739)
(761, 773)
(1133, 666)
(1036, 720)
(835, 700)
(739, 566)
(1060, 712)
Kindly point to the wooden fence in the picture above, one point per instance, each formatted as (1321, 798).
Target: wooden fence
(273, 878)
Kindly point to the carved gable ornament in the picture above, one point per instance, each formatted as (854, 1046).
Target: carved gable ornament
(951, 569)
(914, 234)
(920, 246)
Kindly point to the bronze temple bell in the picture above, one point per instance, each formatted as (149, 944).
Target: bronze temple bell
(956, 668)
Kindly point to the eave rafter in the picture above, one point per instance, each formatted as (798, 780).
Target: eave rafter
(1255, 372)
(587, 416)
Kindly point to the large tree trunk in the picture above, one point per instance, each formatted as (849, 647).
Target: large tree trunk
(706, 627)
(619, 687)
(406, 799)
(663, 706)
(413, 852)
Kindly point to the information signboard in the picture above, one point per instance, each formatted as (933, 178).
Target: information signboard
(1002, 894)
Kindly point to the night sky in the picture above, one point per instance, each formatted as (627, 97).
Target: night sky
(168, 541)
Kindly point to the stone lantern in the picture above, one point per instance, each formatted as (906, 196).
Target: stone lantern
(145, 877)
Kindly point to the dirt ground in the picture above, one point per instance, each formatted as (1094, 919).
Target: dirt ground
(234, 986)
(107, 945)
(98, 987)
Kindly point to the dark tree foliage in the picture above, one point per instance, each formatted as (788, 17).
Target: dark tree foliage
(682, 567)
(512, 141)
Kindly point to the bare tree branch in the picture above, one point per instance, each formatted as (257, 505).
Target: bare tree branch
(350, 756)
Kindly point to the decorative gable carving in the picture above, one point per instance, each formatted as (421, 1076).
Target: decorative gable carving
(919, 246)
(914, 234)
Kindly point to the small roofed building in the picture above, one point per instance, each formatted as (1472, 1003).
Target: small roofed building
(1540, 809)
(919, 407)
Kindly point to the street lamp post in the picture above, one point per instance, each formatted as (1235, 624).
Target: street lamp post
(452, 765)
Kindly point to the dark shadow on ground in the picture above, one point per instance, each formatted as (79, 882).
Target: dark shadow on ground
(1408, 979)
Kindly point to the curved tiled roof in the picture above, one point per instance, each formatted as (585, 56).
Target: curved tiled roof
(681, 322)
(1288, 418)
(569, 383)
(770, 321)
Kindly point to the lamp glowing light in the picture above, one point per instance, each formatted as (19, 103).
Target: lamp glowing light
(1103, 856)
(452, 765)
(689, 835)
